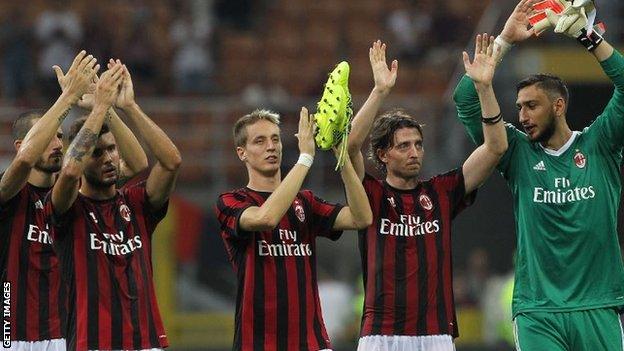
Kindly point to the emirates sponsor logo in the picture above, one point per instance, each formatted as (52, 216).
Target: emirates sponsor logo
(299, 211)
(409, 226)
(563, 193)
(425, 202)
(288, 246)
(579, 159)
(115, 244)
(39, 235)
(125, 212)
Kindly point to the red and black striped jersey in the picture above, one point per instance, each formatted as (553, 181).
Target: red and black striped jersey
(105, 251)
(406, 256)
(277, 305)
(30, 267)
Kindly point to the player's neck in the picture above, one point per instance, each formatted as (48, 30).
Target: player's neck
(264, 182)
(41, 179)
(401, 183)
(97, 192)
(559, 138)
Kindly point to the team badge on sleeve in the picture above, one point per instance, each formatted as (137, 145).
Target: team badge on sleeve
(579, 159)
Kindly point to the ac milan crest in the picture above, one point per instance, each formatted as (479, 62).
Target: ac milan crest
(125, 212)
(425, 202)
(299, 212)
(579, 159)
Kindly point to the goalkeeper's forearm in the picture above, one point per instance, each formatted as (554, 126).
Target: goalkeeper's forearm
(603, 51)
(495, 137)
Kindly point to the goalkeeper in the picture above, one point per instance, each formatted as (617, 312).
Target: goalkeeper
(406, 251)
(569, 279)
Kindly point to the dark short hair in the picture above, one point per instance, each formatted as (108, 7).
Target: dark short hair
(77, 125)
(382, 133)
(24, 122)
(552, 85)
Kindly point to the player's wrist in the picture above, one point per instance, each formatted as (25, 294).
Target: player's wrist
(589, 41)
(383, 92)
(502, 45)
(68, 97)
(305, 159)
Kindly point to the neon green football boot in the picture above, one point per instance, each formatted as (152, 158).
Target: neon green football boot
(334, 112)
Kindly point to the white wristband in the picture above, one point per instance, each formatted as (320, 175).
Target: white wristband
(504, 46)
(306, 160)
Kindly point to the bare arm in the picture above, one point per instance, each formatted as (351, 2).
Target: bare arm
(363, 121)
(162, 177)
(268, 215)
(65, 190)
(39, 136)
(603, 51)
(131, 152)
(481, 163)
(358, 213)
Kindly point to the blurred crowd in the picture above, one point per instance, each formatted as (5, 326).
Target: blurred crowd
(215, 47)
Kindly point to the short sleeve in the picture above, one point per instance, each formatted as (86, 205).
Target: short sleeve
(137, 197)
(324, 216)
(452, 183)
(7, 209)
(59, 222)
(371, 184)
(230, 206)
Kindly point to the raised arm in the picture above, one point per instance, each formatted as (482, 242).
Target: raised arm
(573, 23)
(357, 214)
(131, 152)
(65, 190)
(484, 159)
(466, 99)
(162, 177)
(39, 136)
(267, 216)
(384, 82)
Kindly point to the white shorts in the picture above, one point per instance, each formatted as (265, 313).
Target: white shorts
(406, 343)
(44, 345)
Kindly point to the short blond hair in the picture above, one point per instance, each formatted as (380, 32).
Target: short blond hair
(240, 131)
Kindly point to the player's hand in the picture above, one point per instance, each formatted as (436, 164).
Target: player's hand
(107, 88)
(572, 21)
(384, 77)
(79, 77)
(126, 94)
(305, 135)
(481, 69)
(517, 26)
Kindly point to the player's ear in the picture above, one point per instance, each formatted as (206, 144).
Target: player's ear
(17, 143)
(560, 107)
(382, 154)
(241, 152)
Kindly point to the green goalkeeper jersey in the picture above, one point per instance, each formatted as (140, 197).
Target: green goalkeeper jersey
(565, 204)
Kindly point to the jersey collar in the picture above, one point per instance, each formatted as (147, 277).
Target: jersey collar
(562, 149)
